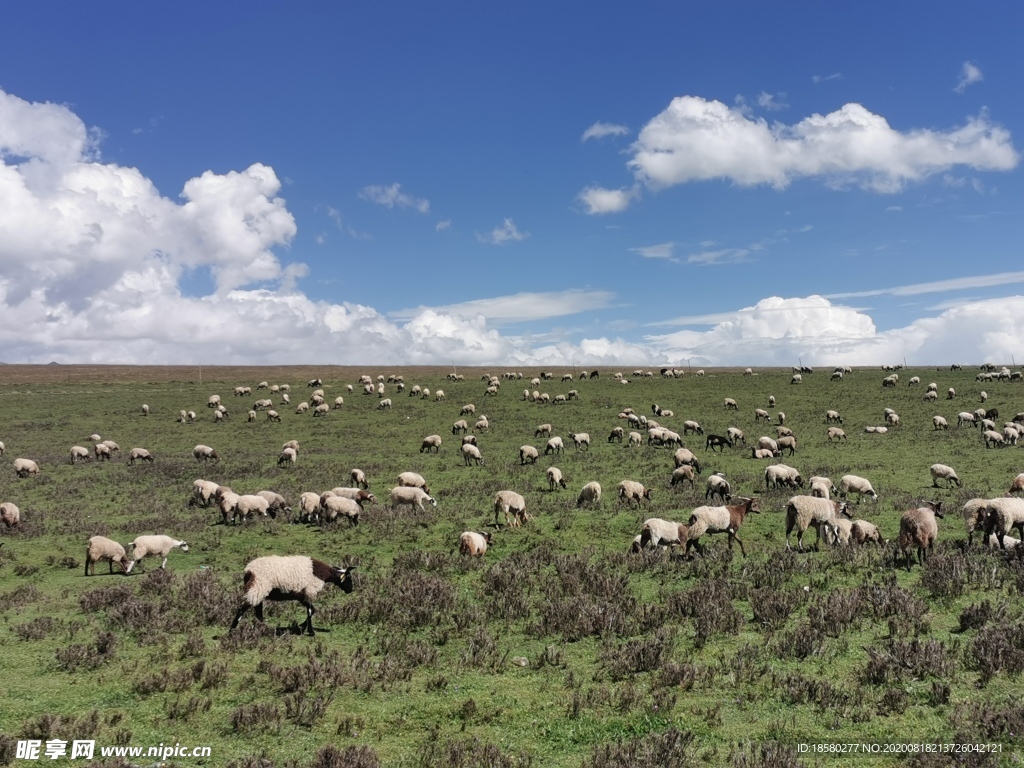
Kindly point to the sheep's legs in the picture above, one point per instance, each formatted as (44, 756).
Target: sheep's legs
(309, 617)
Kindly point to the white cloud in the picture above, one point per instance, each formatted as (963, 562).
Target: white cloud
(661, 251)
(520, 307)
(969, 75)
(772, 102)
(826, 78)
(443, 225)
(599, 130)
(694, 139)
(938, 286)
(392, 195)
(506, 233)
(599, 200)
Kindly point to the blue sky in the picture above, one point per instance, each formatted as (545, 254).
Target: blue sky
(511, 183)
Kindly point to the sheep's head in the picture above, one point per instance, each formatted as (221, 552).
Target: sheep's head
(183, 545)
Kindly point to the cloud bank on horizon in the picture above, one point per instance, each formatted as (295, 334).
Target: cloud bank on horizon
(93, 257)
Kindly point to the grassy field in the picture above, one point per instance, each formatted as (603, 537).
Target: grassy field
(559, 647)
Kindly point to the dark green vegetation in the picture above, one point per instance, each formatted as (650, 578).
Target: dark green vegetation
(559, 647)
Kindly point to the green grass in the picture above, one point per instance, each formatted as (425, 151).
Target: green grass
(559, 644)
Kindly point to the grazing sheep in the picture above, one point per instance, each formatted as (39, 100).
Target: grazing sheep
(580, 439)
(528, 454)
(309, 506)
(736, 435)
(616, 434)
(731, 405)
(153, 546)
(468, 410)
(994, 438)
(803, 512)
(78, 453)
(101, 451)
(1002, 516)
(727, 519)
(951, 393)
(273, 415)
(821, 487)
(963, 418)
(918, 528)
(767, 442)
(469, 440)
(1017, 484)
(833, 417)
(717, 441)
(471, 453)
(101, 548)
(797, 379)
(555, 479)
(683, 474)
(295, 577)
(717, 485)
(357, 495)
(590, 494)
(782, 431)
(25, 467)
(892, 419)
(481, 424)
(781, 474)
(692, 426)
(630, 490)
(213, 401)
(510, 503)
(192, 418)
(384, 404)
(861, 531)
(635, 439)
(412, 497)
(474, 543)
(662, 533)
(412, 480)
(251, 417)
(203, 492)
(789, 441)
(876, 430)
(930, 397)
(145, 410)
(460, 426)
(554, 445)
(943, 472)
(835, 433)
(140, 454)
(760, 414)
(249, 505)
(938, 422)
(333, 507)
(853, 484)
(288, 456)
(358, 478)
(323, 409)
(205, 453)
(686, 456)
(10, 515)
(276, 503)
(431, 443)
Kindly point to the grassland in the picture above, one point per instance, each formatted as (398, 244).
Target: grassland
(559, 648)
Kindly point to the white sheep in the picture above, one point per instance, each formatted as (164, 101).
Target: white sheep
(686, 456)
(717, 485)
(736, 435)
(114, 447)
(140, 454)
(25, 467)
(332, 507)
(781, 474)
(153, 546)
(101, 548)
(542, 430)
(555, 479)
(10, 515)
(725, 519)
(512, 505)
(412, 480)
(412, 497)
(145, 410)
(213, 401)
(358, 478)
(1003, 515)
(251, 417)
(554, 445)
(192, 418)
(182, 416)
(938, 422)
(276, 503)
(635, 439)
(384, 405)
(862, 531)
(470, 453)
(767, 442)
(692, 426)
(205, 453)
(580, 439)
(309, 506)
(918, 528)
(431, 443)
(966, 419)
(250, 505)
(474, 543)
(943, 472)
(288, 456)
(101, 451)
(631, 490)
(993, 438)
(460, 426)
(683, 474)
(803, 512)
(469, 409)
(79, 453)
(822, 487)
(657, 532)
(294, 577)
(528, 454)
(203, 492)
(835, 433)
(483, 423)
(590, 494)
(853, 484)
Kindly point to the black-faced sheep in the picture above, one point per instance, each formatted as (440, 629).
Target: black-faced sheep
(78, 453)
(665, 533)
(918, 528)
(205, 453)
(555, 479)
(631, 490)
(431, 443)
(512, 505)
(25, 467)
(101, 548)
(853, 484)
(295, 577)
(528, 454)
(943, 472)
(10, 515)
(803, 512)
(140, 454)
(411, 497)
(412, 480)
(590, 494)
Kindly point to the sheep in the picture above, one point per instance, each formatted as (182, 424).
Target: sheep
(101, 548)
(616, 434)
(630, 490)
(659, 533)
(964, 418)
(294, 577)
(930, 397)
(764, 453)
(460, 426)
(384, 405)
(425, 394)
(876, 430)
(555, 479)
(760, 414)
(635, 439)
(192, 418)
(471, 453)
(213, 401)
(412, 480)
(781, 474)
(783, 431)
(796, 379)
(309, 506)
(101, 451)
(919, 529)
(833, 417)
(469, 440)
(249, 505)
(731, 405)
(767, 442)
(938, 422)
(205, 453)
(145, 410)
(251, 417)
(781, 417)
(294, 444)
(1003, 515)
(1017, 484)
(25, 467)
(276, 503)
(528, 454)
(736, 435)
(686, 456)
(468, 410)
(580, 439)
(803, 512)
(717, 485)
(338, 402)
(835, 433)
(951, 393)
(357, 495)
(431, 443)
(821, 487)
(914, 381)
(994, 438)
(332, 507)
(787, 442)
(10, 515)
(412, 497)
(155, 546)
(943, 472)
(554, 445)
(590, 494)
(726, 519)
(862, 531)
(358, 478)
(78, 453)
(182, 416)
(288, 456)
(853, 484)
(892, 419)
(474, 543)
(322, 409)
(202, 492)
(692, 426)
(510, 502)
(483, 423)
(717, 441)
(140, 454)
(682, 474)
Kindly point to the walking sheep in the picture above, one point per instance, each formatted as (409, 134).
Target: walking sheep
(781, 474)
(101, 548)
(510, 503)
(205, 453)
(412, 497)
(853, 484)
(630, 490)
(294, 577)
(1003, 515)
(727, 519)
(78, 453)
(943, 472)
(470, 453)
(528, 454)
(474, 543)
(153, 546)
(431, 443)
(803, 512)
(918, 528)
(717, 485)
(657, 532)
(140, 454)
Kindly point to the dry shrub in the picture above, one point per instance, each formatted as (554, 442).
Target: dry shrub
(38, 628)
(896, 660)
(643, 654)
(472, 753)
(407, 599)
(481, 651)
(349, 757)
(710, 606)
(772, 607)
(583, 598)
(990, 721)
(250, 718)
(186, 709)
(797, 689)
(800, 642)
(88, 656)
(771, 754)
(833, 614)
(977, 615)
(1000, 648)
(671, 749)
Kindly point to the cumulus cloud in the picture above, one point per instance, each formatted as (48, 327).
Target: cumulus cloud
(969, 75)
(506, 233)
(599, 200)
(521, 307)
(599, 130)
(773, 102)
(695, 139)
(392, 195)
